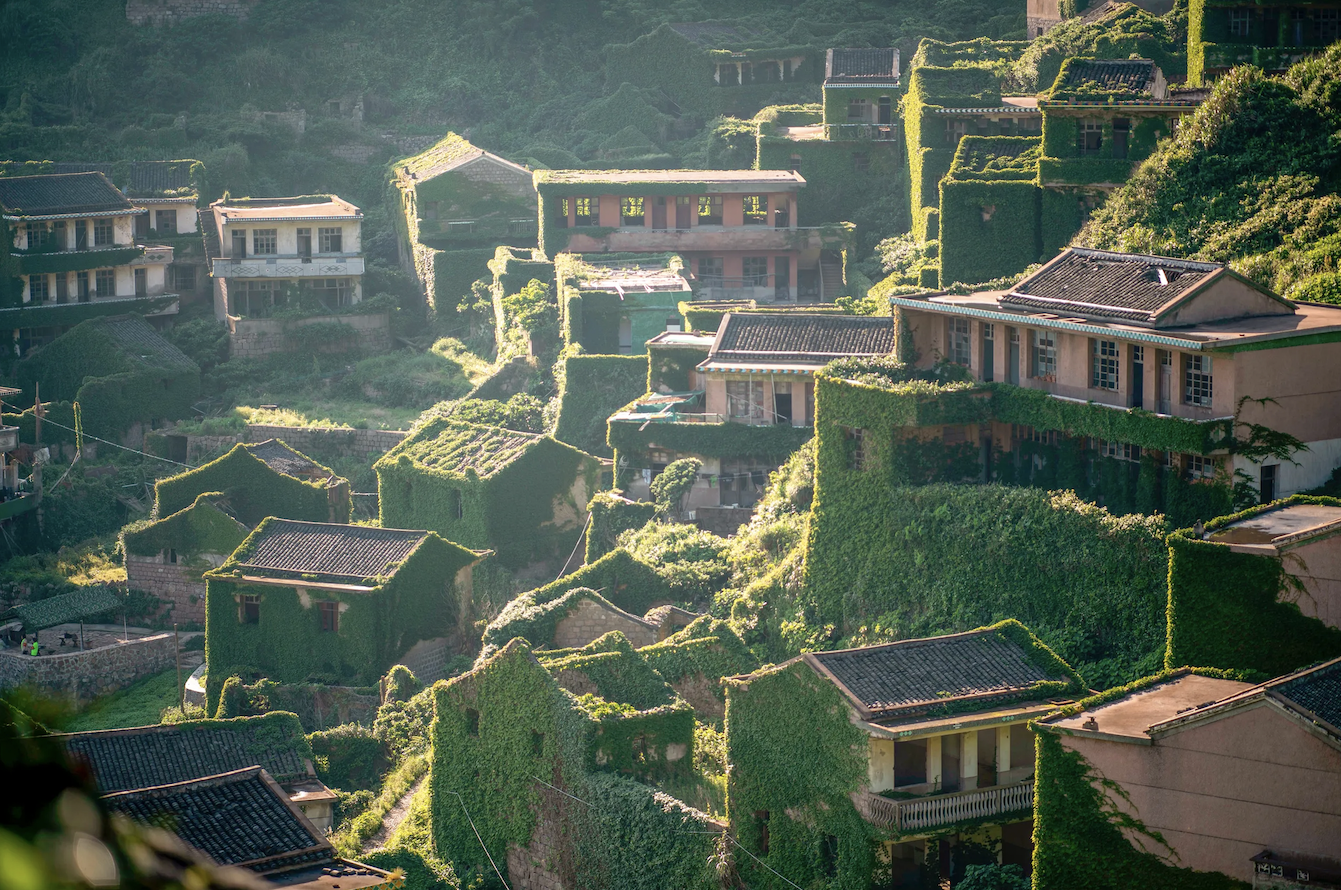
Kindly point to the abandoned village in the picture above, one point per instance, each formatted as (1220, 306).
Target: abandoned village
(546, 445)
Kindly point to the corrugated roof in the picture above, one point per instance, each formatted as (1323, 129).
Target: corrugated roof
(859, 66)
(914, 674)
(797, 337)
(1110, 75)
(147, 756)
(286, 548)
(61, 193)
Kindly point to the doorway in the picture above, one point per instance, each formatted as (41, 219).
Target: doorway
(659, 213)
(1138, 376)
(1165, 382)
(682, 215)
(988, 352)
(782, 403)
(1013, 357)
(885, 111)
(1266, 487)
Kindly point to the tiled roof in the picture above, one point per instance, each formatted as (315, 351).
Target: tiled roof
(915, 674)
(283, 459)
(722, 35)
(799, 337)
(60, 193)
(66, 607)
(147, 179)
(240, 818)
(126, 759)
(1317, 690)
(857, 66)
(1110, 75)
(138, 339)
(1128, 287)
(286, 548)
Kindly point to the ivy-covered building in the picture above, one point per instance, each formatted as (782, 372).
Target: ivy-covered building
(258, 480)
(908, 760)
(753, 403)
(737, 229)
(1187, 779)
(614, 305)
(519, 494)
(1158, 363)
(861, 94)
(311, 601)
(1272, 36)
(69, 252)
(456, 204)
(268, 252)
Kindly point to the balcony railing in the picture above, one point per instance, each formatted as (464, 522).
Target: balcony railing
(923, 813)
(287, 266)
(870, 132)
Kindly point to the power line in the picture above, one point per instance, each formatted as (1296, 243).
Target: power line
(115, 445)
(462, 801)
(580, 535)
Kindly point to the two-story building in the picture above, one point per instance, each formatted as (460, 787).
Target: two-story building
(736, 229)
(861, 94)
(266, 252)
(1272, 36)
(926, 740)
(756, 385)
(1209, 351)
(73, 236)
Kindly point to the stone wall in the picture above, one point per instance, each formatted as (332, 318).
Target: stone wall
(253, 337)
(546, 863)
(81, 676)
(169, 12)
(723, 521)
(181, 587)
(327, 440)
(591, 620)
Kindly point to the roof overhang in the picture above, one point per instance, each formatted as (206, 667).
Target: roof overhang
(91, 214)
(923, 728)
(303, 582)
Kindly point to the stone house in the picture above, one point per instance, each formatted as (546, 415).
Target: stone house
(268, 252)
(941, 726)
(74, 237)
(1190, 341)
(736, 229)
(121, 760)
(1240, 779)
(299, 601)
(168, 557)
(264, 832)
(519, 494)
(758, 378)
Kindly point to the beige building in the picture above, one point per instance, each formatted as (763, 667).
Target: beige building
(1177, 338)
(266, 252)
(1239, 779)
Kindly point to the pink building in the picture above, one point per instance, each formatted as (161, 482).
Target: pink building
(1239, 779)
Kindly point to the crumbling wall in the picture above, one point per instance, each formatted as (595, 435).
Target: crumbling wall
(82, 676)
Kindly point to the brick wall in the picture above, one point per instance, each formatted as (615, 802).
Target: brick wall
(179, 585)
(168, 12)
(252, 337)
(590, 621)
(80, 676)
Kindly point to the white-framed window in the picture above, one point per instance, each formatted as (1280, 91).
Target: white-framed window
(264, 241)
(37, 288)
(754, 271)
(1197, 380)
(331, 239)
(710, 210)
(1091, 137)
(1119, 450)
(858, 457)
(1240, 22)
(1044, 354)
(858, 110)
(1105, 367)
(1199, 466)
(102, 232)
(333, 291)
(958, 348)
(745, 401)
(454, 227)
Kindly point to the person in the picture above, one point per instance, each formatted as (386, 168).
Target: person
(34, 644)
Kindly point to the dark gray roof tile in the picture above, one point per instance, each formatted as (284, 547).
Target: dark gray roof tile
(797, 337)
(286, 548)
(62, 193)
(856, 66)
(146, 179)
(1110, 75)
(1317, 691)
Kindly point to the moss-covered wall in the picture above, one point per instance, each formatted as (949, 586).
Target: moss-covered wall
(254, 491)
(591, 389)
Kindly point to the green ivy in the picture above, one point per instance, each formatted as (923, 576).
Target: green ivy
(39, 263)
(201, 528)
(591, 388)
(612, 515)
(253, 490)
(708, 648)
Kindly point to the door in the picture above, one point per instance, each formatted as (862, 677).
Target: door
(81, 234)
(659, 213)
(884, 112)
(1266, 488)
(1165, 382)
(1138, 376)
(305, 244)
(782, 403)
(239, 243)
(141, 282)
(682, 212)
(988, 352)
(782, 278)
(950, 757)
(1013, 357)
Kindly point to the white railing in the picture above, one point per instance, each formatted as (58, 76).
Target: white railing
(287, 267)
(945, 809)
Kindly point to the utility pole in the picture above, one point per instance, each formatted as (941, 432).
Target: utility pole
(181, 690)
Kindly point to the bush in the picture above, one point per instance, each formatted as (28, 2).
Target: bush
(349, 757)
(675, 482)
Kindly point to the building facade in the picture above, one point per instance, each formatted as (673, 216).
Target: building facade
(1272, 36)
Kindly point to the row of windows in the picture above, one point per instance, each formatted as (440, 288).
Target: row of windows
(1305, 27)
(753, 271)
(247, 297)
(265, 242)
(472, 226)
(586, 211)
(249, 612)
(102, 284)
(56, 235)
(165, 222)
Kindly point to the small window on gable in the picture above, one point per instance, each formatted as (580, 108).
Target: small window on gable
(537, 743)
(472, 722)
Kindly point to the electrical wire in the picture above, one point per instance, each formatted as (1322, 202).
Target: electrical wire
(580, 536)
(115, 445)
(462, 801)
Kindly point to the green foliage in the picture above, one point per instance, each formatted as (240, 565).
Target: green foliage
(591, 388)
(1216, 593)
(140, 704)
(692, 562)
(402, 379)
(994, 877)
(254, 491)
(674, 483)
(198, 529)
(204, 340)
(632, 442)
(350, 839)
(618, 672)
(708, 648)
(349, 757)
(612, 515)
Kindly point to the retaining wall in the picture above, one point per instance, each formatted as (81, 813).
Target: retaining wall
(81, 676)
(253, 337)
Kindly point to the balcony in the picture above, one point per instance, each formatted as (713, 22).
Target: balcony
(638, 239)
(862, 132)
(287, 266)
(154, 254)
(9, 438)
(929, 813)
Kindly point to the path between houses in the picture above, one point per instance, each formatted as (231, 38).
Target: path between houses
(396, 815)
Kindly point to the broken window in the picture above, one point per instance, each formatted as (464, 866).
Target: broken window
(330, 616)
(587, 211)
(1091, 138)
(249, 609)
(330, 240)
(165, 221)
(631, 211)
(756, 209)
(710, 210)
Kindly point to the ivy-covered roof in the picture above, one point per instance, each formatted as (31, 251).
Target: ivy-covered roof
(143, 345)
(286, 549)
(447, 154)
(147, 756)
(911, 675)
(1118, 76)
(140, 179)
(456, 446)
(282, 459)
(61, 194)
(66, 607)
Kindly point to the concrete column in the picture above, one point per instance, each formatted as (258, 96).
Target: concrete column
(934, 759)
(968, 761)
(1002, 750)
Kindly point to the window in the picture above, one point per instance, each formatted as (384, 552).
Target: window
(472, 722)
(81, 234)
(37, 288)
(264, 241)
(330, 616)
(239, 242)
(305, 244)
(165, 221)
(631, 211)
(745, 401)
(1197, 380)
(761, 823)
(537, 743)
(1044, 355)
(1326, 26)
(561, 214)
(102, 233)
(331, 239)
(332, 291)
(795, 163)
(1120, 450)
(857, 458)
(1091, 137)
(1199, 466)
(756, 209)
(106, 283)
(40, 237)
(460, 227)
(142, 223)
(587, 211)
(454, 504)
(172, 557)
(1240, 22)
(141, 282)
(1121, 134)
(957, 340)
(1104, 369)
(858, 110)
(829, 855)
(249, 611)
(955, 130)
(710, 210)
(710, 270)
(861, 162)
(754, 271)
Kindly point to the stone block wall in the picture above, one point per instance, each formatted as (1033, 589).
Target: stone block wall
(325, 440)
(590, 620)
(546, 863)
(81, 676)
(723, 521)
(169, 12)
(253, 337)
(181, 587)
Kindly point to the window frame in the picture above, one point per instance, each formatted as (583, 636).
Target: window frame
(632, 211)
(710, 210)
(1043, 354)
(754, 210)
(329, 613)
(1105, 365)
(754, 278)
(107, 275)
(330, 239)
(1198, 380)
(592, 216)
(169, 216)
(104, 232)
(267, 239)
(958, 341)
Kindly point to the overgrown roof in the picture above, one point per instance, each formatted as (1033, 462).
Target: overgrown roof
(910, 676)
(286, 549)
(797, 337)
(142, 344)
(282, 459)
(862, 67)
(447, 154)
(61, 194)
(147, 756)
(455, 446)
(141, 179)
(1118, 76)
(723, 35)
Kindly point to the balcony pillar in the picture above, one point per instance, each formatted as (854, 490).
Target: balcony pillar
(968, 761)
(1002, 750)
(934, 760)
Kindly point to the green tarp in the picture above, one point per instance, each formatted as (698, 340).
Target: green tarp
(67, 607)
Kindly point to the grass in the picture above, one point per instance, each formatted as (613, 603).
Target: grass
(349, 841)
(141, 704)
(475, 368)
(338, 413)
